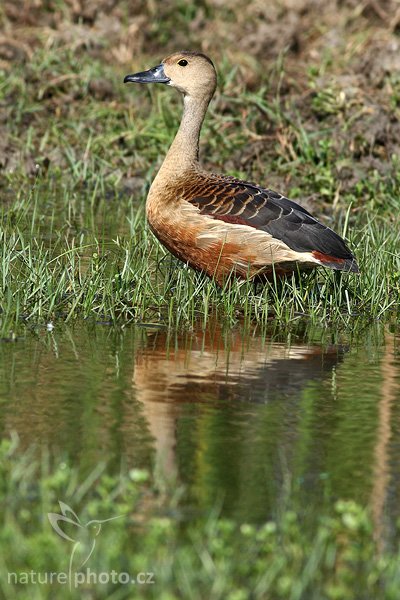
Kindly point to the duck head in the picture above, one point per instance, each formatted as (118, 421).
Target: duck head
(192, 73)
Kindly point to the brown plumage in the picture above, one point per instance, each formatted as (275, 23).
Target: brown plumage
(219, 224)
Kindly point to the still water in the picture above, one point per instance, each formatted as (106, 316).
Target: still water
(240, 419)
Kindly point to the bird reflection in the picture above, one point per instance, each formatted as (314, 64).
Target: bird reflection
(217, 368)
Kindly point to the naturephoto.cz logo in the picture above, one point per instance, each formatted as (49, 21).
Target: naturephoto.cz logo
(83, 537)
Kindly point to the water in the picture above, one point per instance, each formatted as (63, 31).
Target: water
(241, 419)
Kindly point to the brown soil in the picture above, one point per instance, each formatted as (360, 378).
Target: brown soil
(358, 41)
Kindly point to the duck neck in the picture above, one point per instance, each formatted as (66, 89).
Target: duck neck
(183, 154)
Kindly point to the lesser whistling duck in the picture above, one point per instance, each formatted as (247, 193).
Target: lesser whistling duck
(219, 224)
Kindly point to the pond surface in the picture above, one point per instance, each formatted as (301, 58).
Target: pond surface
(241, 420)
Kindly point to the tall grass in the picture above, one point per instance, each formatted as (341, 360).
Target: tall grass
(66, 255)
(73, 238)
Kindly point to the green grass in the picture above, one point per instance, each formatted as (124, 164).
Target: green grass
(78, 151)
(190, 556)
(79, 163)
(69, 255)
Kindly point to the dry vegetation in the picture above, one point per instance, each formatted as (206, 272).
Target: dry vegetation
(329, 71)
(308, 103)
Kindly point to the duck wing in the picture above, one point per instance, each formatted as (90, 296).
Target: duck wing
(241, 203)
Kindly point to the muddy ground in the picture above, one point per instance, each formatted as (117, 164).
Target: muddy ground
(340, 80)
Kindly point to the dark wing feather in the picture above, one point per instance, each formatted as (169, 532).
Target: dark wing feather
(237, 201)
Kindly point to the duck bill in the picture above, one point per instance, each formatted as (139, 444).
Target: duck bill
(154, 75)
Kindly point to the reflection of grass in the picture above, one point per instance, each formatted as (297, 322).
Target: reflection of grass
(200, 558)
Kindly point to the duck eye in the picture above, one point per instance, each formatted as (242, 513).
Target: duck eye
(183, 62)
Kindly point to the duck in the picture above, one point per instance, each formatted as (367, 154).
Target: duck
(219, 224)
